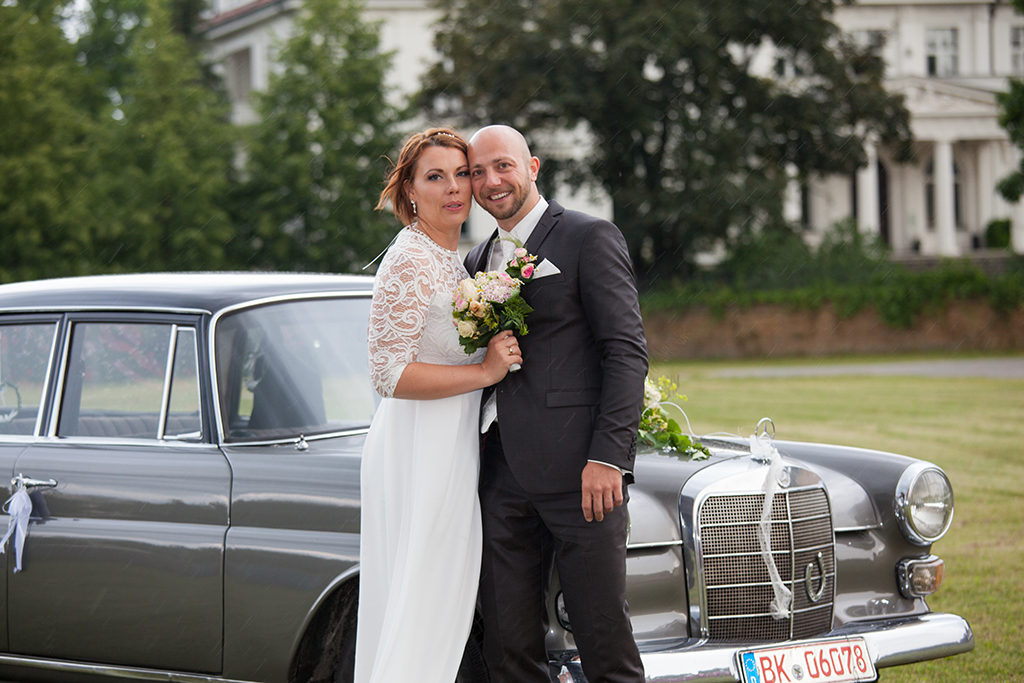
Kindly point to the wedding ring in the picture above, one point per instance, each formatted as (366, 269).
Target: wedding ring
(510, 350)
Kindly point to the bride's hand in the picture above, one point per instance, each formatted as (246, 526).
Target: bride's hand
(502, 352)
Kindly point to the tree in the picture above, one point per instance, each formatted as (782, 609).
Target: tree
(167, 150)
(47, 153)
(315, 159)
(692, 140)
(1011, 117)
(111, 158)
(109, 40)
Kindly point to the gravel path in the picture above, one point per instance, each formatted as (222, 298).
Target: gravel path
(997, 368)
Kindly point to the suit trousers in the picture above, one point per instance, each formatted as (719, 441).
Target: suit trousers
(523, 534)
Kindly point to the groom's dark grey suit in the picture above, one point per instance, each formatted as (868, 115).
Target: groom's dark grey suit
(577, 399)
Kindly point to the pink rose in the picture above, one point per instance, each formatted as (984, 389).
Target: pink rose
(528, 271)
(520, 253)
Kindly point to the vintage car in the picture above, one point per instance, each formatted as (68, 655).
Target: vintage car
(185, 450)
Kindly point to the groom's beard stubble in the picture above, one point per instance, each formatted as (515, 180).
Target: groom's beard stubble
(519, 195)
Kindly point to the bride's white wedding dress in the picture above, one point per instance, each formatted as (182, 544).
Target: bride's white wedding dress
(420, 539)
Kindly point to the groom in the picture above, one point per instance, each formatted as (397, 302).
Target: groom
(561, 433)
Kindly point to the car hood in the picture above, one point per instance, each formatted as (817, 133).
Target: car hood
(660, 476)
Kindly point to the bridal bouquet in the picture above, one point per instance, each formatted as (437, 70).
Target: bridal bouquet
(489, 302)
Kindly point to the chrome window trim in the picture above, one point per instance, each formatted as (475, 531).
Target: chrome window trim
(134, 442)
(46, 378)
(165, 392)
(219, 436)
(293, 440)
(58, 390)
(51, 432)
(169, 310)
(18, 438)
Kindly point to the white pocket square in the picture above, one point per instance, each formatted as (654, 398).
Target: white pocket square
(545, 268)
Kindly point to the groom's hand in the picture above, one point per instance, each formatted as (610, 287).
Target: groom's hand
(602, 490)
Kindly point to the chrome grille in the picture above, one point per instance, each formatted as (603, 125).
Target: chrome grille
(736, 579)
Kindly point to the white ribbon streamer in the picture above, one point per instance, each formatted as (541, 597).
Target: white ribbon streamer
(761, 447)
(19, 507)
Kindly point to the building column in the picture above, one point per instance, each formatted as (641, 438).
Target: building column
(867, 192)
(1017, 227)
(986, 185)
(945, 216)
(792, 208)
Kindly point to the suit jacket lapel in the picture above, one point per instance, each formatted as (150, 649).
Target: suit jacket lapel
(544, 226)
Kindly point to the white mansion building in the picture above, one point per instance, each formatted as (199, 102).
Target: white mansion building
(947, 58)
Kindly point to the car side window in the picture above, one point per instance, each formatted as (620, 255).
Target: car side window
(184, 421)
(294, 368)
(119, 376)
(25, 350)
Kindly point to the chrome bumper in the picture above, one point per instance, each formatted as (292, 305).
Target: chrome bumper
(891, 642)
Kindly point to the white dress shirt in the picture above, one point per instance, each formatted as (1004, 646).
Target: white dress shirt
(518, 234)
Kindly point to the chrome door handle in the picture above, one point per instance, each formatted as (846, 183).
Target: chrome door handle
(21, 481)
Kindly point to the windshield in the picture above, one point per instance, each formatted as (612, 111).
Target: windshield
(294, 368)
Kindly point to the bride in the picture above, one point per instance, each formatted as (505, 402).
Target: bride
(420, 538)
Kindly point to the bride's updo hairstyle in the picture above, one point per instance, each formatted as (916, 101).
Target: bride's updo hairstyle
(402, 172)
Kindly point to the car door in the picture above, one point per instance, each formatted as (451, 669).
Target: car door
(27, 345)
(124, 558)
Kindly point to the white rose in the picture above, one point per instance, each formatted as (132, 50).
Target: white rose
(467, 328)
(652, 397)
(468, 289)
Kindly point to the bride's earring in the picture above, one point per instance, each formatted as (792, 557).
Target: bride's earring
(413, 207)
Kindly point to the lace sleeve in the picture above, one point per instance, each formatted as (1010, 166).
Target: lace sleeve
(401, 297)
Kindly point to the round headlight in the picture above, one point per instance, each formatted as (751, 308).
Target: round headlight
(924, 503)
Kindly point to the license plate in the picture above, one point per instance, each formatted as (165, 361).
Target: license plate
(826, 661)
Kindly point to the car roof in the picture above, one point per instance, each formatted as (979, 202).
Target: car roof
(210, 292)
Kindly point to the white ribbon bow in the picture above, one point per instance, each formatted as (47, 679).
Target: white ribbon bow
(19, 507)
(761, 447)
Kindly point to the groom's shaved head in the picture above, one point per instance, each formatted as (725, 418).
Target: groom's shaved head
(510, 138)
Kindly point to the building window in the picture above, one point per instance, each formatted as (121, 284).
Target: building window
(929, 195)
(238, 74)
(1017, 50)
(942, 51)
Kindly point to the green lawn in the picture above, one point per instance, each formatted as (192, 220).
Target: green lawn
(972, 428)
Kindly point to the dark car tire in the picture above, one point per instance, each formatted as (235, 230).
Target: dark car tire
(346, 671)
(329, 641)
